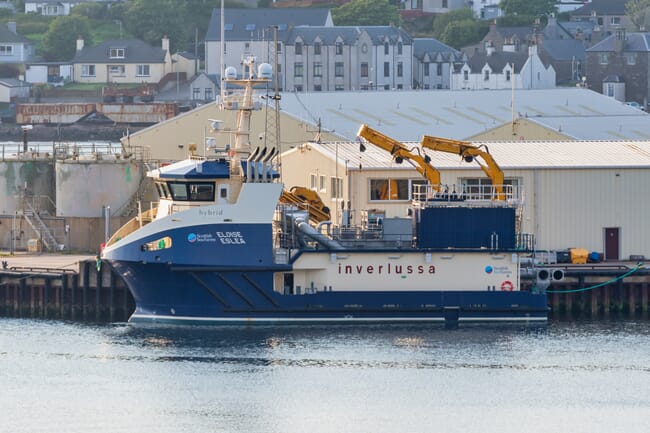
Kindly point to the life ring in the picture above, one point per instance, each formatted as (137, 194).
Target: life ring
(507, 286)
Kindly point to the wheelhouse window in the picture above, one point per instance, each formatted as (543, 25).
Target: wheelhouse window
(163, 190)
(193, 191)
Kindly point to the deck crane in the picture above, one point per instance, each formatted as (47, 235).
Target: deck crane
(399, 152)
(469, 153)
(308, 200)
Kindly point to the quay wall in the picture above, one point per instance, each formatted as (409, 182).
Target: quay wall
(86, 294)
(82, 235)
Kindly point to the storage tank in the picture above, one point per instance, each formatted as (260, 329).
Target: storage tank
(86, 184)
(29, 175)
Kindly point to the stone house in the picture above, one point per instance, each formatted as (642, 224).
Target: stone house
(618, 66)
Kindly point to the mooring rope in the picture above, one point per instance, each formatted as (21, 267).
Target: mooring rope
(613, 280)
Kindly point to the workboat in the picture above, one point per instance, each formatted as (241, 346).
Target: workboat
(228, 243)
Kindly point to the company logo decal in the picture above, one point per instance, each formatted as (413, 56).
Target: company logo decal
(387, 269)
(225, 238)
(489, 269)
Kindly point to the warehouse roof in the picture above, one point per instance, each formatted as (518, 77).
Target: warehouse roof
(509, 155)
(408, 115)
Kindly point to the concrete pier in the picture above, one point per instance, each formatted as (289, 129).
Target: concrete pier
(62, 287)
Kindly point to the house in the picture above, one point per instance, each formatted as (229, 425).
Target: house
(511, 39)
(433, 63)
(618, 66)
(346, 58)
(564, 49)
(12, 88)
(250, 32)
(430, 7)
(121, 61)
(13, 47)
(504, 70)
(204, 88)
(312, 54)
(57, 7)
(185, 62)
(51, 73)
(608, 15)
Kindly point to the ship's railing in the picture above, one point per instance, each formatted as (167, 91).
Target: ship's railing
(135, 223)
(468, 195)
(69, 150)
(235, 99)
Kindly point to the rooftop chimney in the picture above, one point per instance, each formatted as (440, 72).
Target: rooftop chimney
(165, 43)
(11, 25)
(619, 43)
(80, 43)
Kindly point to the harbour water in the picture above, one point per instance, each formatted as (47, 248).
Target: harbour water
(566, 376)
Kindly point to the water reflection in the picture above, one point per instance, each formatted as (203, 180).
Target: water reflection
(78, 377)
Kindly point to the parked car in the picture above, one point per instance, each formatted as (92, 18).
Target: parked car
(635, 105)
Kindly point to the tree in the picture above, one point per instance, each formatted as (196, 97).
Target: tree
(93, 11)
(459, 34)
(150, 20)
(60, 40)
(366, 13)
(528, 7)
(639, 13)
(441, 21)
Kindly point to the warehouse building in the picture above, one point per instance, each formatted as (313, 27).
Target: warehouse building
(582, 194)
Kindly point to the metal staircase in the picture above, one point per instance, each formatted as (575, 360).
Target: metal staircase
(44, 234)
(132, 205)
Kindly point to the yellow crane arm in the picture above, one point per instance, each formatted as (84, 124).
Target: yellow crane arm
(469, 153)
(399, 152)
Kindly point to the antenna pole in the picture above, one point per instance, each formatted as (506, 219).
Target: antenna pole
(222, 91)
(512, 102)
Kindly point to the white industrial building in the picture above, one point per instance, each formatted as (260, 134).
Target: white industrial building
(500, 115)
(579, 194)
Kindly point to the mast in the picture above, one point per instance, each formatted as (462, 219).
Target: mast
(222, 68)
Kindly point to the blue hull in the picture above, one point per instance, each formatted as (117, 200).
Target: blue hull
(164, 293)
